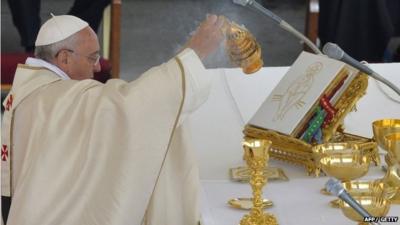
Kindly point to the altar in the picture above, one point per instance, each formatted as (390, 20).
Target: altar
(233, 100)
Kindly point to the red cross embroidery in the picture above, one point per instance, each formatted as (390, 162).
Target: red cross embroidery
(4, 153)
(9, 102)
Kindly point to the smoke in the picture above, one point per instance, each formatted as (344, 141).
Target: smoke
(218, 59)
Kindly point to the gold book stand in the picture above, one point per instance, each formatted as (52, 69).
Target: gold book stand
(296, 151)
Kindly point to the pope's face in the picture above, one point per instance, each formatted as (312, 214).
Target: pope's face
(83, 59)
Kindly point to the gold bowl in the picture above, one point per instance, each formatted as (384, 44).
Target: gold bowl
(383, 127)
(369, 188)
(375, 205)
(345, 166)
(392, 143)
(367, 149)
(324, 150)
(334, 147)
(344, 161)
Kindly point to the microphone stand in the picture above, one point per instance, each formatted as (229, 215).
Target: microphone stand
(282, 23)
(333, 51)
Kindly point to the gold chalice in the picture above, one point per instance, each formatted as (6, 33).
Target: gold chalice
(390, 159)
(246, 173)
(392, 179)
(392, 144)
(383, 127)
(344, 161)
(374, 204)
(392, 176)
(256, 156)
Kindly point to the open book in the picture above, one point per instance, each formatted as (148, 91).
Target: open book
(304, 99)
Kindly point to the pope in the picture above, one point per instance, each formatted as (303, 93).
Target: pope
(76, 151)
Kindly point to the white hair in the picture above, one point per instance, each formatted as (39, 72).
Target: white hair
(48, 52)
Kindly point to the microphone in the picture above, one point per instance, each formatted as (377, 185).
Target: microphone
(241, 2)
(283, 24)
(335, 52)
(335, 187)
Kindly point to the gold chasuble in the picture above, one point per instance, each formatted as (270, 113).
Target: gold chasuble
(86, 153)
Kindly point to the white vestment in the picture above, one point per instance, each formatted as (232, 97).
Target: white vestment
(86, 153)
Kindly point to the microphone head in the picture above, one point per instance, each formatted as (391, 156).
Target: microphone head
(333, 51)
(334, 187)
(241, 2)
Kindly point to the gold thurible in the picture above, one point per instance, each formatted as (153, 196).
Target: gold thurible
(242, 47)
(256, 156)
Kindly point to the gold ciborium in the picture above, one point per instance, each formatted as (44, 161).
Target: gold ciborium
(383, 127)
(392, 179)
(344, 161)
(242, 47)
(392, 144)
(375, 205)
(256, 156)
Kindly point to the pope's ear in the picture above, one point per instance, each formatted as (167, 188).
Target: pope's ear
(62, 58)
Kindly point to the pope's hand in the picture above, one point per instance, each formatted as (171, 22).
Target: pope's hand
(207, 36)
